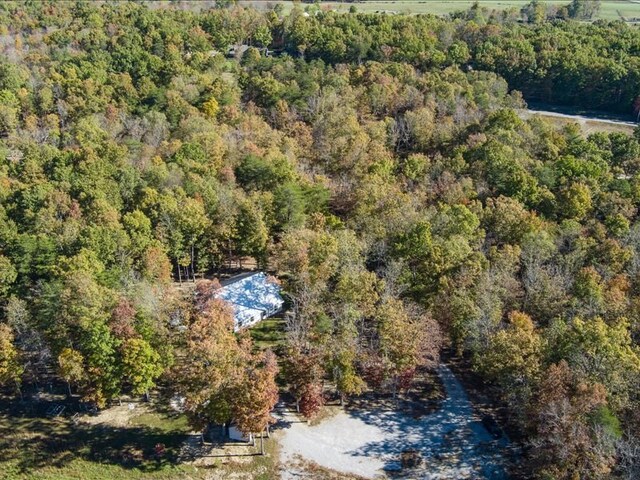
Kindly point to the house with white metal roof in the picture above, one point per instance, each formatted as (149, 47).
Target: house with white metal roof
(253, 298)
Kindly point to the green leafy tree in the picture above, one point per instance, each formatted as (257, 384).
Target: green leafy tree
(10, 367)
(71, 367)
(513, 358)
(8, 275)
(141, 365)
(600, 351)
(403, 340)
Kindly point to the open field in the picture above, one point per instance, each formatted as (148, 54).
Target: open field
(609, 9)
(588, 125)
(122, 444)
(45, 448)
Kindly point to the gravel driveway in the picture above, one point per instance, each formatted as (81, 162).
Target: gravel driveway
(453, 441)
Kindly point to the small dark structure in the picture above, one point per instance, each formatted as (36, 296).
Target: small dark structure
(492, 426)
(410, 458)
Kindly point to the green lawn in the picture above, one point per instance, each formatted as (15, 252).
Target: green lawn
(269, 333)
(609, 9)
(55, 449)
(44, 448)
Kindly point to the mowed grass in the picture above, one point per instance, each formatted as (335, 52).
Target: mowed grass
(43, 448)
(57, 449)
(269, 333)
(609, 9)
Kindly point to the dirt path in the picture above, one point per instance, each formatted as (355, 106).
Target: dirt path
(453, 441)
(581, 119)
(587, 124)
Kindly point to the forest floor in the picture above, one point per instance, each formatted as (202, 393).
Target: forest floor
(453, 441)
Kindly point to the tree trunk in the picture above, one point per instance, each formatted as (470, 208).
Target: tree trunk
(298, 405)
(179, 275)
(262, 444)
(395, 391)
(193, 270)
(146, 396)
(69, 389)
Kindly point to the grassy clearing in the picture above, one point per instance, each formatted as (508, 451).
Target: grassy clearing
(592, 126)
(115, 446)
(587, 126)
(269, 333)
(609, 9)
(56, 448)
(83, 470)
(162, 422)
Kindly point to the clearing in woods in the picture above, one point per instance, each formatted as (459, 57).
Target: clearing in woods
(609, 9)
(453, 441)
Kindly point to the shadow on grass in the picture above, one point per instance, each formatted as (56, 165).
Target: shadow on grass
(269, 333)
(36, 442)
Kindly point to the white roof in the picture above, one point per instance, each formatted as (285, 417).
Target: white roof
(253, 299)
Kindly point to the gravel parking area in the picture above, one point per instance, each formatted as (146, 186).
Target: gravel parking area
(453, 442)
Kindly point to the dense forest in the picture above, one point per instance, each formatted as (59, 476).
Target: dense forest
(376, 164)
